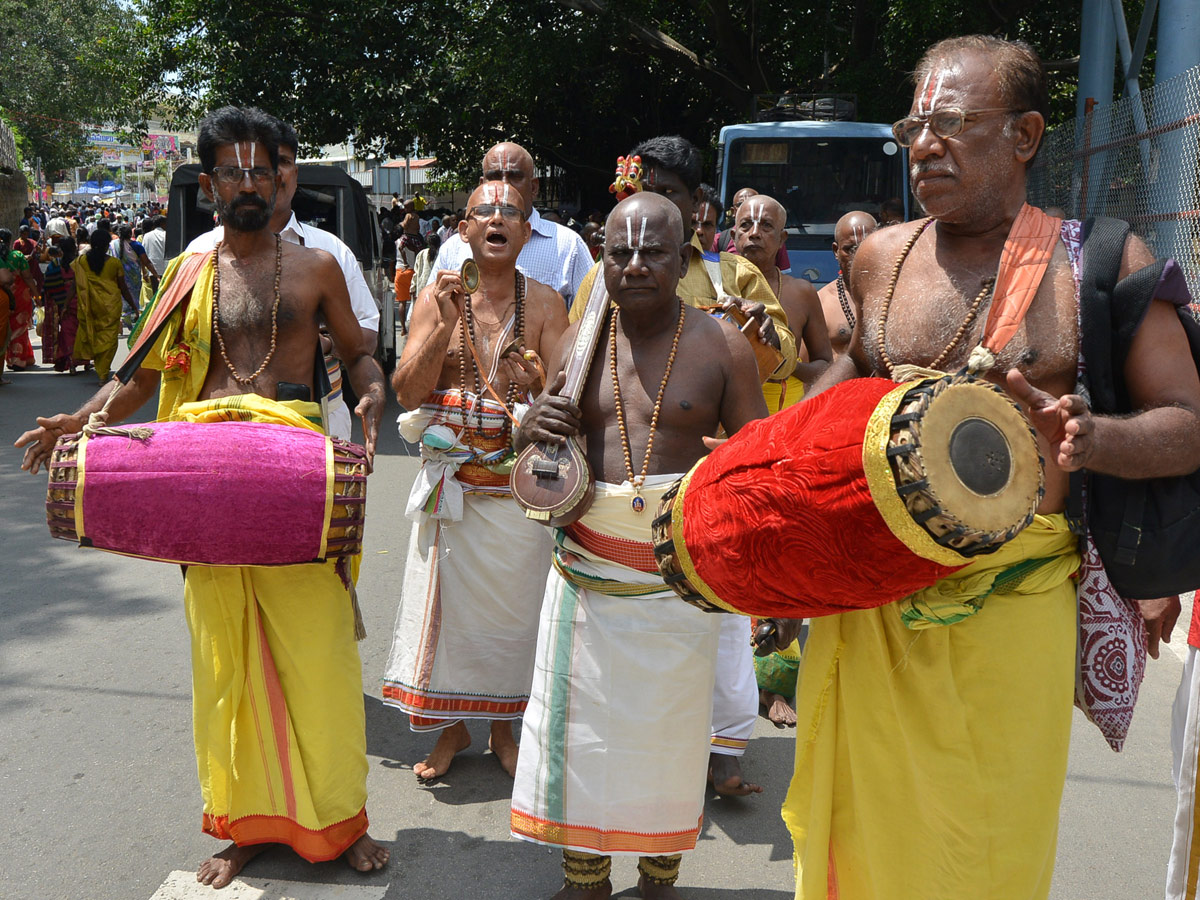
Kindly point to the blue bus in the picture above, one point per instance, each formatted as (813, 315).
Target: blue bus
(819, 171)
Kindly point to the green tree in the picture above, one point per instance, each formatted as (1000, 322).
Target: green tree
(576, 81)
(64, 72)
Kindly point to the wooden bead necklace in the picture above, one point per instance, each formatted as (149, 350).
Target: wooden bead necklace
(244, 379)
(637, 503)
(881, 346)
(464, 352)
(844, 300)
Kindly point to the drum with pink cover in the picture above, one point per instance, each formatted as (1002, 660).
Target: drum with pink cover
(214, 494)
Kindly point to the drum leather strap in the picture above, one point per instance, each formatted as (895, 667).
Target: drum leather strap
(175, 295)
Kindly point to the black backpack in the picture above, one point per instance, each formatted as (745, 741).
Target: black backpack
(1145, 531)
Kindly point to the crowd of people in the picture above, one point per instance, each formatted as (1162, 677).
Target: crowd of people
(932, 747)
(76, 274)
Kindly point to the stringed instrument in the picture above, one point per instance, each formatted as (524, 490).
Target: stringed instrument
(766, 356)
(554, 483)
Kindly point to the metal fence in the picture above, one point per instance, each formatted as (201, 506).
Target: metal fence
(8, 151)
(1137, 159)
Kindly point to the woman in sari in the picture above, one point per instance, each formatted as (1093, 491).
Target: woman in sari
(134, 260)
(61, 305)
(100, 286)
(18, 350)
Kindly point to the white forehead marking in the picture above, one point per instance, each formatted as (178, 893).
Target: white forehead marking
(642, 233)
(937, 92)
(251, 159)
(757, 208)
(237, 148)
(704, 210)
(629, 230)
(921, 96)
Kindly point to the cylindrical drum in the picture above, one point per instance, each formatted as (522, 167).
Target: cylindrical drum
(853, 499)
(214, 494)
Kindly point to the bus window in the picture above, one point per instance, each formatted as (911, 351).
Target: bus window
(817, 179)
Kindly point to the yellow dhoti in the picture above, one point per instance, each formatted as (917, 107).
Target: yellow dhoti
(277, 689)
(278, 714)
(930, 759)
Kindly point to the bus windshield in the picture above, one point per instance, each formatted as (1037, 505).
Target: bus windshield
(817, 179)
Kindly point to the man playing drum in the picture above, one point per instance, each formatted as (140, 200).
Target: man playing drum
(616, 735)
(931, 756)
(277, 684)
(467, 624)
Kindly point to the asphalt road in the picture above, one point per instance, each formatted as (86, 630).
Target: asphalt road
(98, 778)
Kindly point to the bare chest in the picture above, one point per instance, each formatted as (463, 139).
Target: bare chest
(252, 300)
(936, 316)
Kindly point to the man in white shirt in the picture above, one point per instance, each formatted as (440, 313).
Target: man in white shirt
(154, 239)
(285, 224)
(554, 254)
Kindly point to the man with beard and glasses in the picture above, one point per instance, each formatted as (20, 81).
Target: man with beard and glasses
(285, 224)
(278, 714)
(836, 304)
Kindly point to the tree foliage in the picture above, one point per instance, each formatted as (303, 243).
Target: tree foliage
(65, 69)
(576, 81)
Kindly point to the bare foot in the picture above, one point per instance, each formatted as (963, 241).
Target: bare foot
(657, 891)
(779, 710)
(600, 892)
(452, 740)
(4, 381)
(366, 855)
(501, 743)
(221, 868)
(725, 775)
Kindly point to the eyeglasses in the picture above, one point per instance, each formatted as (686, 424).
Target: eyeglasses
(235, 175)
(485, 211)
(944, 123)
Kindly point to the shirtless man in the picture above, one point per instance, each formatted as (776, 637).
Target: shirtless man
(634, 668)
(467, 625)
(840, 318)
(975, 765)
(307, 607)
(758, 234)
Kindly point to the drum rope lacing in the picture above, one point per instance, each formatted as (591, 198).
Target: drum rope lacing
(980, 360)
(241, 379)
(637, 503)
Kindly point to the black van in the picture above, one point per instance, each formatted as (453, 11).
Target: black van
(326, 197)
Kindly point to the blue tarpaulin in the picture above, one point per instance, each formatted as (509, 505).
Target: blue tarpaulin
(92, 187)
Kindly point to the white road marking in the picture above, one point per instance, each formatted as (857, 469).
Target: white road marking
(182, 885)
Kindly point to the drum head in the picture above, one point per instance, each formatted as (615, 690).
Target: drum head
(980, 458)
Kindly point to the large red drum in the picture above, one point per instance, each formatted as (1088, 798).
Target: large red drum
(858, 497)
(215, 493)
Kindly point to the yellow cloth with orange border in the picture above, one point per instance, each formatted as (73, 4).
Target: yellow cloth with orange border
(277, 709)
(278, 716)
(954, 734)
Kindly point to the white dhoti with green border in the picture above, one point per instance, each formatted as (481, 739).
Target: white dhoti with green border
(615, 740)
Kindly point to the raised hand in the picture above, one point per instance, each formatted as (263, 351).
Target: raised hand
(1066, 422)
